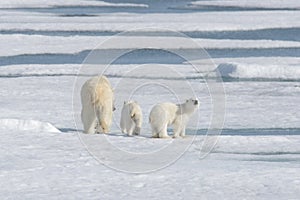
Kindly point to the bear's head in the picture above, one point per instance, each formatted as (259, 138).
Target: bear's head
(191, 105)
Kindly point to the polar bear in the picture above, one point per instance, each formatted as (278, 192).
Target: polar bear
(164, 114)
(131, 118)
(97, 105)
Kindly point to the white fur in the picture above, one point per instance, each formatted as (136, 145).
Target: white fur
(131, 118)
(166, 114)
(97, 105)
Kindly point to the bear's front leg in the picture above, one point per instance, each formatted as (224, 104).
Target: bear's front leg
(137, 131)
(182, 133)
(130, 131)
(102, 126)
(177, 129)
(98, 128)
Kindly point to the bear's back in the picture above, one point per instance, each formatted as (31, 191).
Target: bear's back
(98, 88)
(164, 111)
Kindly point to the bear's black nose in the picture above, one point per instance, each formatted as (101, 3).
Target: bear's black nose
(196, 102)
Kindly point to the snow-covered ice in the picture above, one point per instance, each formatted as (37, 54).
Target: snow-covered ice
(26, 125)
(277, 4)
(237, 70)
(195, 21)
(36, 44)
(56, 3)
(44, 156)
(54, 166)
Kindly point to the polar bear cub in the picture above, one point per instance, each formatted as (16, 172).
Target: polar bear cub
(131, 118)
(97, 105)
(164, 114)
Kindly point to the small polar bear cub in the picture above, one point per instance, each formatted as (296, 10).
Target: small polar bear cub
(131, 118)
(165, 114)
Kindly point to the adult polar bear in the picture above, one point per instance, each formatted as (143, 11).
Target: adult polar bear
(97, 99)
(165, 114)
(131, 118)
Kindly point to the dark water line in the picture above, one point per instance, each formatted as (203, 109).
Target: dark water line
(222, 8)
(239, 132)
(283, 34)
(143, 56)
(58, 32)
(153, 7)
(253, 131)
(199, 78)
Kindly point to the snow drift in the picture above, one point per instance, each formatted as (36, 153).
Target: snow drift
(27, 125)
(253, 71)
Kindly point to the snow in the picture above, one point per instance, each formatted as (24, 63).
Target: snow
(38, 87)
(38, 70)
(238, 70)
(286, 61)
(274, 4)
(55, 3)
(26, 125)
(267, 145)
(56, 165)
(195, 21)
(254, 68)
(45, 155)
(28, 44)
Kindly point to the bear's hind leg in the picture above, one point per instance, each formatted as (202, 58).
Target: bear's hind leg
(155, 132)
(176, 133)
(103, 127)
(130, 130)
(88, 118)
(163, 132)
(123, 126)
(90, 126)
